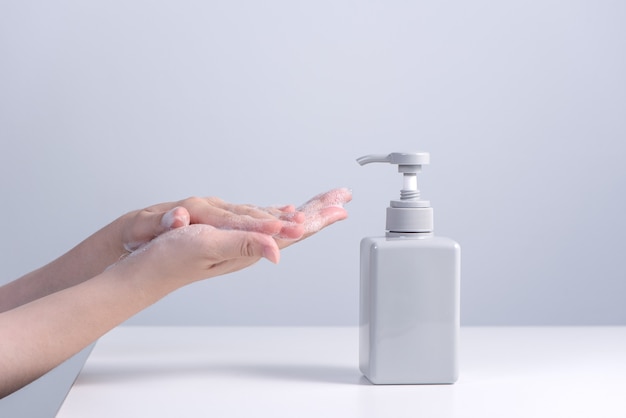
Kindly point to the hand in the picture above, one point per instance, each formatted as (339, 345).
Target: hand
(193, 252)
(140, 227)
(286, 223)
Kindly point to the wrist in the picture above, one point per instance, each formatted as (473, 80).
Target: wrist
(104, 247)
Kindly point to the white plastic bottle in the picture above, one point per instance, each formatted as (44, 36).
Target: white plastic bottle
(410, 283)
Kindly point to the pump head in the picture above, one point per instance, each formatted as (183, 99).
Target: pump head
(410, 213)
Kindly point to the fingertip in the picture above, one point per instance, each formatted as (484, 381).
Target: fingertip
(294, 216)
(299, 217)
(338, 196)
(346, 194)
(271, 253)
(292, 231)
(287, 208)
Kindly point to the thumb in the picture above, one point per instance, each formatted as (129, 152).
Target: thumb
(246, 244)
(147, 225)
(174, 218)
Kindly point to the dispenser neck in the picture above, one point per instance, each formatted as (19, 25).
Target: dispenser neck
(409, 219)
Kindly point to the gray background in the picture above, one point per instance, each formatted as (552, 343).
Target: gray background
(111, 106)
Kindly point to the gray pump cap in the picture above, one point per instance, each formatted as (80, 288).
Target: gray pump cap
(410, 213)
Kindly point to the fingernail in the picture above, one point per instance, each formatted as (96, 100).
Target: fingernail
(175, 218)
(132, 246)
(168, 219)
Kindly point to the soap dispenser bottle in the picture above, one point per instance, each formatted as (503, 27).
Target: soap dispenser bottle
(409, 294)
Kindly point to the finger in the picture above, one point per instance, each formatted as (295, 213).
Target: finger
(325, 209)
(228, 220)
(335, 197)
(323, 218)
(215, 212)
(295, 216)
(252, 211)
(293, 221)
(286, 213)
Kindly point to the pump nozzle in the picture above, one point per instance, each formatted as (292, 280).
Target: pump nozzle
(420, 217)
(408, 163)
(399, 158)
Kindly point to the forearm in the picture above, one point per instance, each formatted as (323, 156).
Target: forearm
(86, 260)
(37, 336)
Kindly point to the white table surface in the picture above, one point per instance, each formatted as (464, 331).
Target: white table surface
(313, 372)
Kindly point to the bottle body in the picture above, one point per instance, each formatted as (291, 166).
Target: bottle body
(409, 309)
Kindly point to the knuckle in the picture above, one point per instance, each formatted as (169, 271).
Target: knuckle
(247, 248)
(214, 201)
(191, 201)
